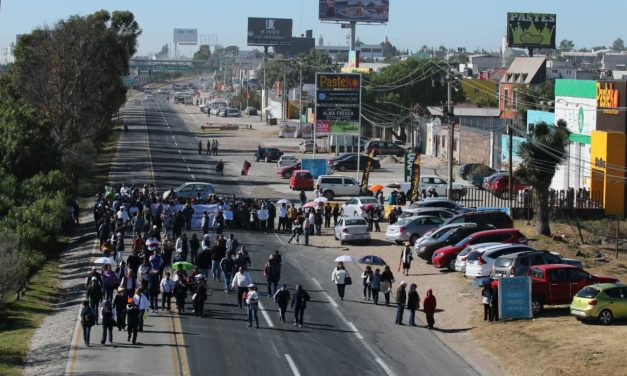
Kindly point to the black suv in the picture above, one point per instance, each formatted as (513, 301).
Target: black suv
(268, 154)
(350, 163)
(496, 218)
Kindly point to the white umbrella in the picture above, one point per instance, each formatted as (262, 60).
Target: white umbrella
(284, 201)
(345, 258)
(320, 199)
(105, 260)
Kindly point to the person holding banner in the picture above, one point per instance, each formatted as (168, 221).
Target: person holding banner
(205, 222)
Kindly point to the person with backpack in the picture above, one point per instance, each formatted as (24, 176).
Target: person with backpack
(299, 303)
(88, 319)
(107, 316)
(119, 304)
(227, 265)
(282, 298)
(94, 295)
(132, 320)
(252, 302)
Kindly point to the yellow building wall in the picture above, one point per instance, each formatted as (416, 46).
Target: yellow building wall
(607, 164)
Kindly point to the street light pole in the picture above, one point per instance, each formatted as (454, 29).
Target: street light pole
(451, 133)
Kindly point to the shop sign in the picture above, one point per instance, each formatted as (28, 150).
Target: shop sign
(608, 98)
(600, 163)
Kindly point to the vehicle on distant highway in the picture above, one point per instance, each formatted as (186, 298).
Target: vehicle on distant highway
(351, 229)
(604, 302)
(286, 160)
(356, 206)
(191, 190)
(410, 229)
(267, 154)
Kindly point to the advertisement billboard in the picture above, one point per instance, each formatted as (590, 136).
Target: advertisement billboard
(611, 97)
(338, 102)
(269, 31)
(186, 36)
(531, 30)
(354, 10)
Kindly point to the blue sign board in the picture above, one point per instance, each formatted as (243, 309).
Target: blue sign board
(515, 298)
(317, 167)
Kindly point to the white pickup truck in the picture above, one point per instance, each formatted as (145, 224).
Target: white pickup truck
(440, 185)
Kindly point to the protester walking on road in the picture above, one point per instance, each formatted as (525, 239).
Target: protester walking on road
(296, 229)
(94, 295)
(88, 319)
(200, 296)
(302, 197)
(341, 278)
(194, 246)
(406, 258)
(272, 272)
(141, 301)
(282, 298)
(180, 294)
(375, 285)
(200, 147)
(241, 280)
(132, 320)
(167, 288)
(413, 303)
(119, 304)
(204, 260)
(227, 265)
(232, 245)
(107, 316)
(299, 303)
(366, 279)
(252, 302)
(387, 278)
(428, 307)
(401, 299)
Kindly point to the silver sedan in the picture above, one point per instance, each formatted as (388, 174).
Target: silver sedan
(410, 229)
(350, 229)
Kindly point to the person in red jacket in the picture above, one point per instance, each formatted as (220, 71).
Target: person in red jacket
(428, 306)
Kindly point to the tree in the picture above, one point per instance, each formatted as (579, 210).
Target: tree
(541, 154)
(566, 45)
(618, 45)
(389, 50)
(203, 53)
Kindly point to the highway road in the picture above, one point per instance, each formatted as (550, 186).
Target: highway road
(337, 338)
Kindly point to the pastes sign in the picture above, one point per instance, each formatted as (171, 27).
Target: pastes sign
(338, 102)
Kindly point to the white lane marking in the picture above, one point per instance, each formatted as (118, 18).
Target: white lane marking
(180, 152)
(290, 361)
(193, 177)
(172, 137)
(354, 329)
(315, 281)
(326, 295)
(384, 366)
(175, 144)
(188, 169)
(265, 315)
(184, 160)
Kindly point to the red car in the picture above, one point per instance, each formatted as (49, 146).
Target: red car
(499, 186)
(286, 172)
(302, 180)
(445, 257)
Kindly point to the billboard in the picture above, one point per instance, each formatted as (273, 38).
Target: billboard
(611, 97)
(269, 31)
(186, 36)
(354, 10)
(531, 30)
(338, 102)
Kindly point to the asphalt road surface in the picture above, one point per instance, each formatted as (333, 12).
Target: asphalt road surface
(337, 338)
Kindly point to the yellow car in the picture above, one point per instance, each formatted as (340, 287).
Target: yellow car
(604, 302)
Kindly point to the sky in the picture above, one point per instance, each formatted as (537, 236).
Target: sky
(412, 24)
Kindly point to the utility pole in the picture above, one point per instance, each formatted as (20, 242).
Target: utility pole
(265, 87)
(451, 121)
(284, 93)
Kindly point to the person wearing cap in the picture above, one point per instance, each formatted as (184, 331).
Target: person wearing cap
(132, 320)
(119, 304)
(282, 298)
(401, 299)
(241, 280)
(93, 273)
(252, 302)
(413, 303)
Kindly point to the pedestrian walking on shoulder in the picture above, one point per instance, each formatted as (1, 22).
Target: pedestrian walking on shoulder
(119, 304)
(406, 258)
(486, 299)
(299, 303)
(282, 298)
(252, 302)
(401, 299)
(428, 307)
(413, 303)
(340, 277)
(375, 285)
(108, 318)
(366, 280)
(132, 320)
(88, 319)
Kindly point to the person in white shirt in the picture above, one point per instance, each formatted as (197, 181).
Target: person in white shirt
(142, 303)
(283, 222)
(167, 286)
(338, 277)
(252, 302)
(241, 280)
(122, 215)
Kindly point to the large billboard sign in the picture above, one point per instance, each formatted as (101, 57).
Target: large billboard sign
(354, 10)
(611, 98)
(338, 102)
(269, 31)
(531, 30)
(186, 36)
